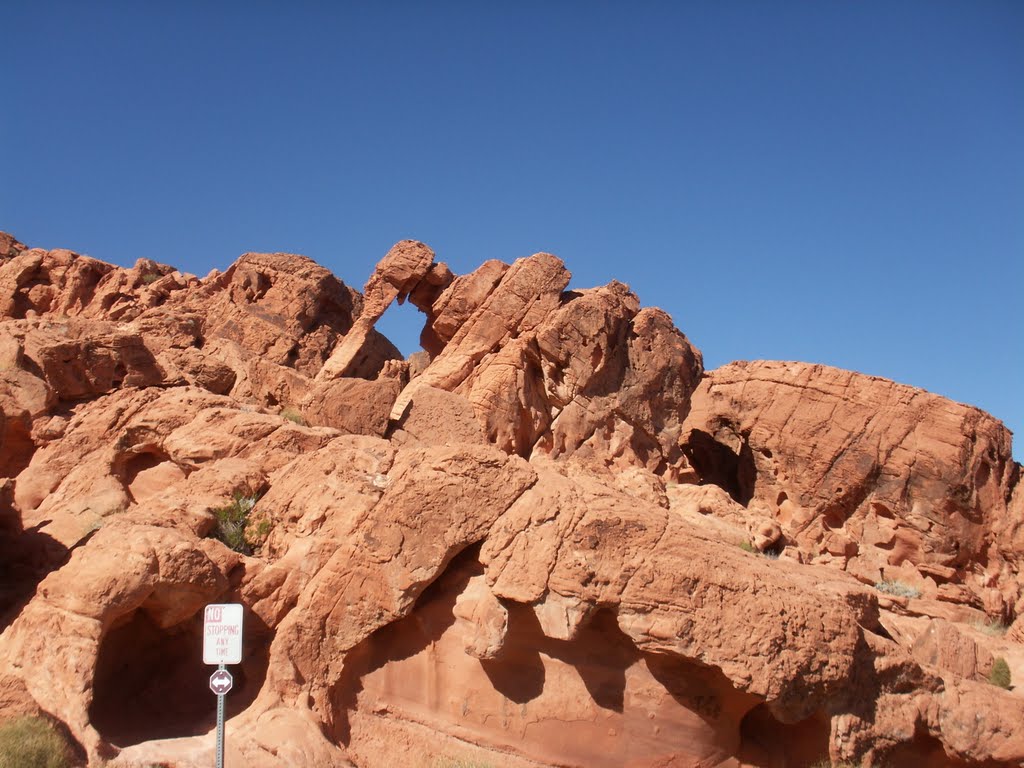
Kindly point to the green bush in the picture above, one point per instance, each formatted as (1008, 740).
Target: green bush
(293, 415)
(1000, 673)
(897, 588)
(32, 742)
(232, 521)
(772, 553)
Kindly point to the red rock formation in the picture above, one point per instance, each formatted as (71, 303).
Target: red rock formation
(549, 540)
(881, 479)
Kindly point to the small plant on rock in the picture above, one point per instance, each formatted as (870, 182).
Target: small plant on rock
(992, 627)
(746, 546)
(1000, 673)
(293, 415)
(32, 742)
(897, 588)
(232, 521)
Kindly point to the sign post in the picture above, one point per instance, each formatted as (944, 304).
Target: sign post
(222, 644)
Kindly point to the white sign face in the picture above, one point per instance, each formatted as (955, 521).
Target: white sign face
(222, 634)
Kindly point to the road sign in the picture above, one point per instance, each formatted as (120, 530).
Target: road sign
(221, 682)
(222, 634)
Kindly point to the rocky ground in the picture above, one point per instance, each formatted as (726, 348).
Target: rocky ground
(550, 539)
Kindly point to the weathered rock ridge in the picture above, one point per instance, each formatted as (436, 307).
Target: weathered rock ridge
(549, 539)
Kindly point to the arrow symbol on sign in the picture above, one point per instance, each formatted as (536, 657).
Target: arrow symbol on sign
(221, 682)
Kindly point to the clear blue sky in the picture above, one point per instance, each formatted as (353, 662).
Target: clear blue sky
(837, 182)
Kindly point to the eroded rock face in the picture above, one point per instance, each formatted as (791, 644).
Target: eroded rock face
(549, 539)
(886, 481)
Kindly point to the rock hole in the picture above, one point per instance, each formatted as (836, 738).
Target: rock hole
(882, 510)
(26, 557)
(117, 379)
(717, 464)
(147, 473)
(150, 682)
(766, 740)
(404, 326)
(879, 630)
(982, 474)
(17, 444)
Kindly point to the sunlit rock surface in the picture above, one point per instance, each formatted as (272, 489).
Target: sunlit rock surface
(550, 539)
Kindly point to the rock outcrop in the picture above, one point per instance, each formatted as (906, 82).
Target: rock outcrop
(549, 539)
(883, 480)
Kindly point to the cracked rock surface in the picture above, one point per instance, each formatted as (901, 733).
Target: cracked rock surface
(549, 539)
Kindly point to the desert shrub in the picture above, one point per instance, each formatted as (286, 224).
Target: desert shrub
(1000, 673)
(256, 532)
(293, 415)
(150, 277)
(991, 627)
(232, 521)
(897, 588)
(772, 553)
(32, 742)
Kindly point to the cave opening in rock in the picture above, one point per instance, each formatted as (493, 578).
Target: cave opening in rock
(150, 682)
(717, 464)
(766, 740)
(26, 558)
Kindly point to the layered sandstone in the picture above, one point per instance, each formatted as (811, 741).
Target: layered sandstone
(550, 539)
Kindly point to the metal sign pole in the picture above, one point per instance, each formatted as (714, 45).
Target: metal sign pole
(222, 644)
(220, 724)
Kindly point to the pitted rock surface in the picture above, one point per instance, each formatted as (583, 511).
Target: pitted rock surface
(548, 539)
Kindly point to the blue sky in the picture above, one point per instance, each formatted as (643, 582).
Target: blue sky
(836, 182)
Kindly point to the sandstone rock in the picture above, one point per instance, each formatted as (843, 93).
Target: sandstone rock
(357, 406)
(35, 281)
(485, 618)
(23, 398)
(526, 293)
(458, 302)
(943, 646)
(9, 246)
(397, 274)
(846, 461)
(54, 645)
(281, 307)
(543, 541)
(438, 417)
(79, 360)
